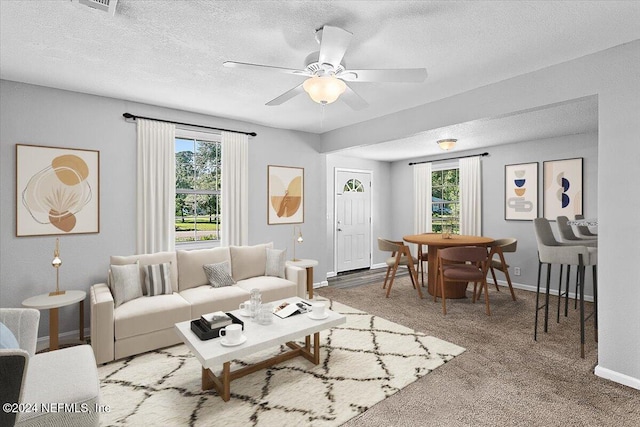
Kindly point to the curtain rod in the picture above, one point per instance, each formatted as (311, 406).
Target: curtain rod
(450, 158)
(133, 117)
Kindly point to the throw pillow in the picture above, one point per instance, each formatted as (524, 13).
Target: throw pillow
(158, 279)
(125, 283)
(219, 274)
(7, 339)
(276, 259)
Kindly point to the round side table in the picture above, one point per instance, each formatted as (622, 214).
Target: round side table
(52, 303)
(308, 264)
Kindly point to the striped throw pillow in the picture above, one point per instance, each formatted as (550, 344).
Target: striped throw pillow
(158, 279)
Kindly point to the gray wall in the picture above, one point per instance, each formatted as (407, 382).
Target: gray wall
(493, 222)
(44, 116)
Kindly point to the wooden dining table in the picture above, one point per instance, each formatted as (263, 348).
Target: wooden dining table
(435, 241)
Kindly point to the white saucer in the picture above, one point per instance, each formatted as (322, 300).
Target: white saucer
(244, 313)
(224, 343)
(311, 316)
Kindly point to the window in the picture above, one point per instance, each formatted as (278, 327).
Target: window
(197, 189)
(445, 200)
(353, 185)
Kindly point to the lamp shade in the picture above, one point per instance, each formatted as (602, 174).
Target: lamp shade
(324, 89)
(447, 144)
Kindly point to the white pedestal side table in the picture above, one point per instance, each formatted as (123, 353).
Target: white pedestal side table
(308, 264)
(52, 303)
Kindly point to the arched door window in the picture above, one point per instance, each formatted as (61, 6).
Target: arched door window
(353, 185)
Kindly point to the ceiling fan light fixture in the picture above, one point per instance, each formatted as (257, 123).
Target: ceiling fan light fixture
(324, 89)
(447, 144)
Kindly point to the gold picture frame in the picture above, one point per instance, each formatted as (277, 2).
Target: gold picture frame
(57, 191)
(285, 195)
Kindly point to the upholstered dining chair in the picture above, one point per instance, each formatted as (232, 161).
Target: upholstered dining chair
(498, 248)
(568, 236)
(463, 264)
(400, 255)
(62, 377)
(550, 252)
(583, 229)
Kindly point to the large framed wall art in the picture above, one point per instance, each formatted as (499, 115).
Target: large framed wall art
(521, 191)
(285, 189)
(57, 191)
(562, 188)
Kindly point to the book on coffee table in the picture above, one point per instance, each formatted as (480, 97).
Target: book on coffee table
(217, 319)
(287, 309)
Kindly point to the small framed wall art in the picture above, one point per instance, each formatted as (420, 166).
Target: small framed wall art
(57, 191)
(521, 191)
(562, 188)
(285, 190)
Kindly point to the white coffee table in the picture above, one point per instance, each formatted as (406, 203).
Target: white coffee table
(211, 353)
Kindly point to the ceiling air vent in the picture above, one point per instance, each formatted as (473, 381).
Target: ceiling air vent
(103, 5)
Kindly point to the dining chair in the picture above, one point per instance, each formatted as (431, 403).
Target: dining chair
(463, 264)
(400, 255)
(499, 247)
(583, 229)
(550, 252)
(423, 256)
(568, 236)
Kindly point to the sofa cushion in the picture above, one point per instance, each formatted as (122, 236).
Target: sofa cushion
(248, 261)
(149, 314)
(149, 259)
(219, 275)
(190, 271)
(125, 283)
(271, 288)
(7, 339)
(205, 299)
(276, 260)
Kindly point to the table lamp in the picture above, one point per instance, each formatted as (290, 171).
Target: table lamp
(56, 263)
(297, 237)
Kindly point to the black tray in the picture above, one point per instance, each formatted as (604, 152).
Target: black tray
(205, 333)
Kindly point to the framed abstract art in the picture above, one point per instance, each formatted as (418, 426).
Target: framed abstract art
(521, 191)
(57, 191)
(562, 188)
(285, 193)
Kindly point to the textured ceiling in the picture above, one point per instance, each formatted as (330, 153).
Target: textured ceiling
(170, 53)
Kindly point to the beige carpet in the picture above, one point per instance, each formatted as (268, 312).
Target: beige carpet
(363, 362)
(504, 378)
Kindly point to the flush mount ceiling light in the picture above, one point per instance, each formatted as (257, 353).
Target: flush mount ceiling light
(447, 144)
(324, 89)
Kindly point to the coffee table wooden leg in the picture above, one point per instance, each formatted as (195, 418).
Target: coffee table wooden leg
(221, 385)
(316, 348)
(307, 343)
(82, 321)
(53, 329)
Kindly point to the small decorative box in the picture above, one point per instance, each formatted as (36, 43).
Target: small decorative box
(205, 333)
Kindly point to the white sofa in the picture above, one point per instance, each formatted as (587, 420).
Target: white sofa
(147, 323)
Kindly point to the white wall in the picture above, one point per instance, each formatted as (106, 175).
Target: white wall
(613, 76)
(44, 116)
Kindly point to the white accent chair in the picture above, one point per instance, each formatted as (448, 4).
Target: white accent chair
(67, 378)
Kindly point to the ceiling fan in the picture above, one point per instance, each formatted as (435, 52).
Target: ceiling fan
(327, 73)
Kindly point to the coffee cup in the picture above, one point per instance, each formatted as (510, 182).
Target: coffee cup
(232, 333)
(245, 307)
(317, 309)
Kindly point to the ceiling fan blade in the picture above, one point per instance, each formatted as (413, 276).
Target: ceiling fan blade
(333, 45)
(286, 96)
(353, 100)
(401, 75)
(258, 67)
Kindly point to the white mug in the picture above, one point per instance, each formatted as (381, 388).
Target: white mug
(245, 307)
(317, 309)
(232, 332)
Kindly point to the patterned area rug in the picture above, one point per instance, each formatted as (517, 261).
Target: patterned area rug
(363, 361)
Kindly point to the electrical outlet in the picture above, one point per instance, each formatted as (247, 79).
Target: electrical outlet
(516, 271)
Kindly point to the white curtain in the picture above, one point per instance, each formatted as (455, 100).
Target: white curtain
(422, 198)
(235, 189)
(156, 197)
(471, 196)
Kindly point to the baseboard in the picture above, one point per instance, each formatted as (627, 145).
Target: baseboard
(331, 274)
(322, 284)
(617, 377)
(379, 265)
(70, 336)
(530, 288)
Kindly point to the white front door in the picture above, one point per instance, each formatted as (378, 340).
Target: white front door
(353, 220)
